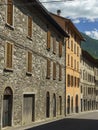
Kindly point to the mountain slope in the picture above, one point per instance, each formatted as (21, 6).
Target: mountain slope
(90, 45)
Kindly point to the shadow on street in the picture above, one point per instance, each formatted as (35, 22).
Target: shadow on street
(69, 124)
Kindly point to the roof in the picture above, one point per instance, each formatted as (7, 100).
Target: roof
(71, 24)
(89, 57)
(43, 11)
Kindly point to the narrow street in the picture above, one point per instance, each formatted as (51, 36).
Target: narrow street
(83, 121)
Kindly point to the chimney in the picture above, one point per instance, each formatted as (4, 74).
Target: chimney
(58, 12)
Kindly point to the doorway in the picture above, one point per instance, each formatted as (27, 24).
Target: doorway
(7, 107)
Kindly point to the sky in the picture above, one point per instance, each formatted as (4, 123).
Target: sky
(83, 13)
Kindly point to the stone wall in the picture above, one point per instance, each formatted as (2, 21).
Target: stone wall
(17, 80)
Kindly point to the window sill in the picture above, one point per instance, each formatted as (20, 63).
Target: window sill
(28, 73)
(8, 69)
(30, 38)
(48, 49)
(47, 77)
(9, 26)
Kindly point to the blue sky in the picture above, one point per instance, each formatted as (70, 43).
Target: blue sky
(83, 13)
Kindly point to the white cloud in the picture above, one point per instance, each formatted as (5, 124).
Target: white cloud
(75, 9)
(93, 33)
(76, 21)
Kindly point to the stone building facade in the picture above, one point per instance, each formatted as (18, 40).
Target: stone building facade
(32, 64)
(96, 81)
(87, 82)
(73, 52)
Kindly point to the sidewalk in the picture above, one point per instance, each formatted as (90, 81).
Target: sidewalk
(38, 123)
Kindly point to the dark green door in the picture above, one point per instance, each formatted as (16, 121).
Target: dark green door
(7, 110)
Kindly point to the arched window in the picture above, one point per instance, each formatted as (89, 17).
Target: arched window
(60, 105)
(7, 107)
(77, 107)
(47, 104)
(68, 105)
(54, 105)
(71, 104)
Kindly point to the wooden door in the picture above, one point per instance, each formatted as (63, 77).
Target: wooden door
(28, 108)
(7, 110)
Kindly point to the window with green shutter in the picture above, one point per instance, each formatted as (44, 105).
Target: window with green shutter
(10, 12)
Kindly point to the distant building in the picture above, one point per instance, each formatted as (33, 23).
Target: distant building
(96, 81)
(87, 82)
(32, 64)
(73, 52)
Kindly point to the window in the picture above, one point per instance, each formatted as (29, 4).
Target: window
(74, 48)
(71, 81)
(29, 26)
(78, 82)
(60, 72)
(29, 63)
(72, 45)
(68, 80)
(9, 55)
(54, 70)
(77, 51)
(48, 40)
(48, 68)
(75, 81)
(71, 61)
(68, 59)
(54, 45)
(77, 65)
(60, 49)
(68, 43)
(74, 64)
(10, 12)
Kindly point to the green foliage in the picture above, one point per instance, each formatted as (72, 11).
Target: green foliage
(90, 45)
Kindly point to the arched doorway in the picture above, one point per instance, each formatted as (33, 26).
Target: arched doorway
(54, 105)
(71, 104)
(68, 105)
(7, 107)
(60, 105)
(77, 107)
(47, 104)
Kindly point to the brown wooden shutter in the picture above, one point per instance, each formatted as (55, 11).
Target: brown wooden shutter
(60, 72)
(29, 26)
(60, 48)
(54, 45)
(10, 12)
(48, 68)
(9, 56)
(48, 40)
(29, 62)
(54, 70)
